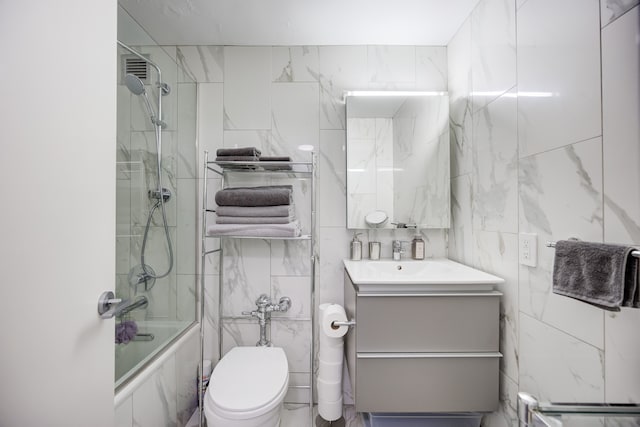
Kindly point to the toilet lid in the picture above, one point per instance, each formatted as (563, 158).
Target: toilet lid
(249, 379)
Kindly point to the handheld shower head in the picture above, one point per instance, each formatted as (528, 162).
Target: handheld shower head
(134, 84)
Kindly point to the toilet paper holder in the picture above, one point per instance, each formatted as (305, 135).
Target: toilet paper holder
(337, 323)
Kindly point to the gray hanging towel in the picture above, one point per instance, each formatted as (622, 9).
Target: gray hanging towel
(600, 274)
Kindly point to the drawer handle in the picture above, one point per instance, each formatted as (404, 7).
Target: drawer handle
(431, 294)
(428, 355)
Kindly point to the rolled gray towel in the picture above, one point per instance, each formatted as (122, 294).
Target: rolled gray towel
(243, 151)
(255, 196)
(254, 219)
(256, 211)
(291, 229)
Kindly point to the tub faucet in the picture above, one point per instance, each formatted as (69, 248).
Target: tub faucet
(263, 314)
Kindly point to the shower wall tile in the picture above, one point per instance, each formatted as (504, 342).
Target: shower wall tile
(294, 119)
(187, 359)
(459, 83)
(293, 337)
(154, 402)
(290, 258)
(341, 68)
(622, 358)
(210, 321)
(186, 297)
(621, 133)
(391, 67)
(201, 64)
(507, 413)
(247, 86)
(210, 120)
(555, 366)
(614, 9)
(240, 332)
(558, 74)
(561, 197)
(245, 271)
(461, 231)
(187, 217)
(495, 177)
(332, 165)
(186, 150)
(334, 247)
(296, 288)
(431, 68)
(294, 64)
(497, 253)
(493, 47)
(248, 138)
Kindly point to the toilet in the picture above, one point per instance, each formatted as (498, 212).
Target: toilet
(247, 388)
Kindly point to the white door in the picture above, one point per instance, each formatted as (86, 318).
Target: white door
(57, 211)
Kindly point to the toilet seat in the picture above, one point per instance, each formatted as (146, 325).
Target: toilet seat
(248, 382)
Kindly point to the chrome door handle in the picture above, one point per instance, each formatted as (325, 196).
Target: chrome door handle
(107, 305)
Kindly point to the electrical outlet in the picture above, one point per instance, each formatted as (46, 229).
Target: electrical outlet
(528, 252)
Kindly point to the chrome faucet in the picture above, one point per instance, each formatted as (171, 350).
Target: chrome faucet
(397, 249)
(263, 314)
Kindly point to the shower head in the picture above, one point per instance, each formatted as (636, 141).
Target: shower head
(134, 84)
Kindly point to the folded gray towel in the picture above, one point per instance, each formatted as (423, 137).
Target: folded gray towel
(237, 159)
(275, 158)
(291, 229)
(254, 219)
(257, 211)
(255, 196)
(243, 151)
(595, 273)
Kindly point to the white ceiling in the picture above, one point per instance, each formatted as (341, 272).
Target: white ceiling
(300, 22)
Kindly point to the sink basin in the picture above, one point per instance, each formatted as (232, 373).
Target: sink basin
(438, 272)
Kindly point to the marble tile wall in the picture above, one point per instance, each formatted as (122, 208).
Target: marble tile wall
(544, 139)
(277, 98)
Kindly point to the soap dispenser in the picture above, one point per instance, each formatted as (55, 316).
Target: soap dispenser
(417, 247)
(356, 248)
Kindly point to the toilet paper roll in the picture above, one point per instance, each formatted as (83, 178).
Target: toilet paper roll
(330, 371)
(330, 411)
(330, 314)
(329, 391)
(331, 354)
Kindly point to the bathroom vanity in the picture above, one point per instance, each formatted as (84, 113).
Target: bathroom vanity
(426, 337)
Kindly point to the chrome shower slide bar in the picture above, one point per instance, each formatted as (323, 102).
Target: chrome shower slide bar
(532, 412)
(634, 253)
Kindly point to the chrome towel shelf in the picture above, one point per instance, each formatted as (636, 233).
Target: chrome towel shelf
(634, 253)
(532, 412)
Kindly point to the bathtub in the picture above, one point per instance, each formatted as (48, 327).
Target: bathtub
(133, 357)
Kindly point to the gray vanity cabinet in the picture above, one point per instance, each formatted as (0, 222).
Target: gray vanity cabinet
(425, 351)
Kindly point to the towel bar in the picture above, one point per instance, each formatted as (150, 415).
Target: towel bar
(634, 253)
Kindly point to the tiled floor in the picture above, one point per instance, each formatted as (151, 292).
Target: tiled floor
(297, 415)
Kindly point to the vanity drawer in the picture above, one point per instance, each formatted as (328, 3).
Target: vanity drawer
(428, 322)
(388, 382)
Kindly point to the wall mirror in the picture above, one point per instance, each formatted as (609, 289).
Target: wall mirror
(398, 158)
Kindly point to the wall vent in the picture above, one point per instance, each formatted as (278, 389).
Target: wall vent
(131, 64)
